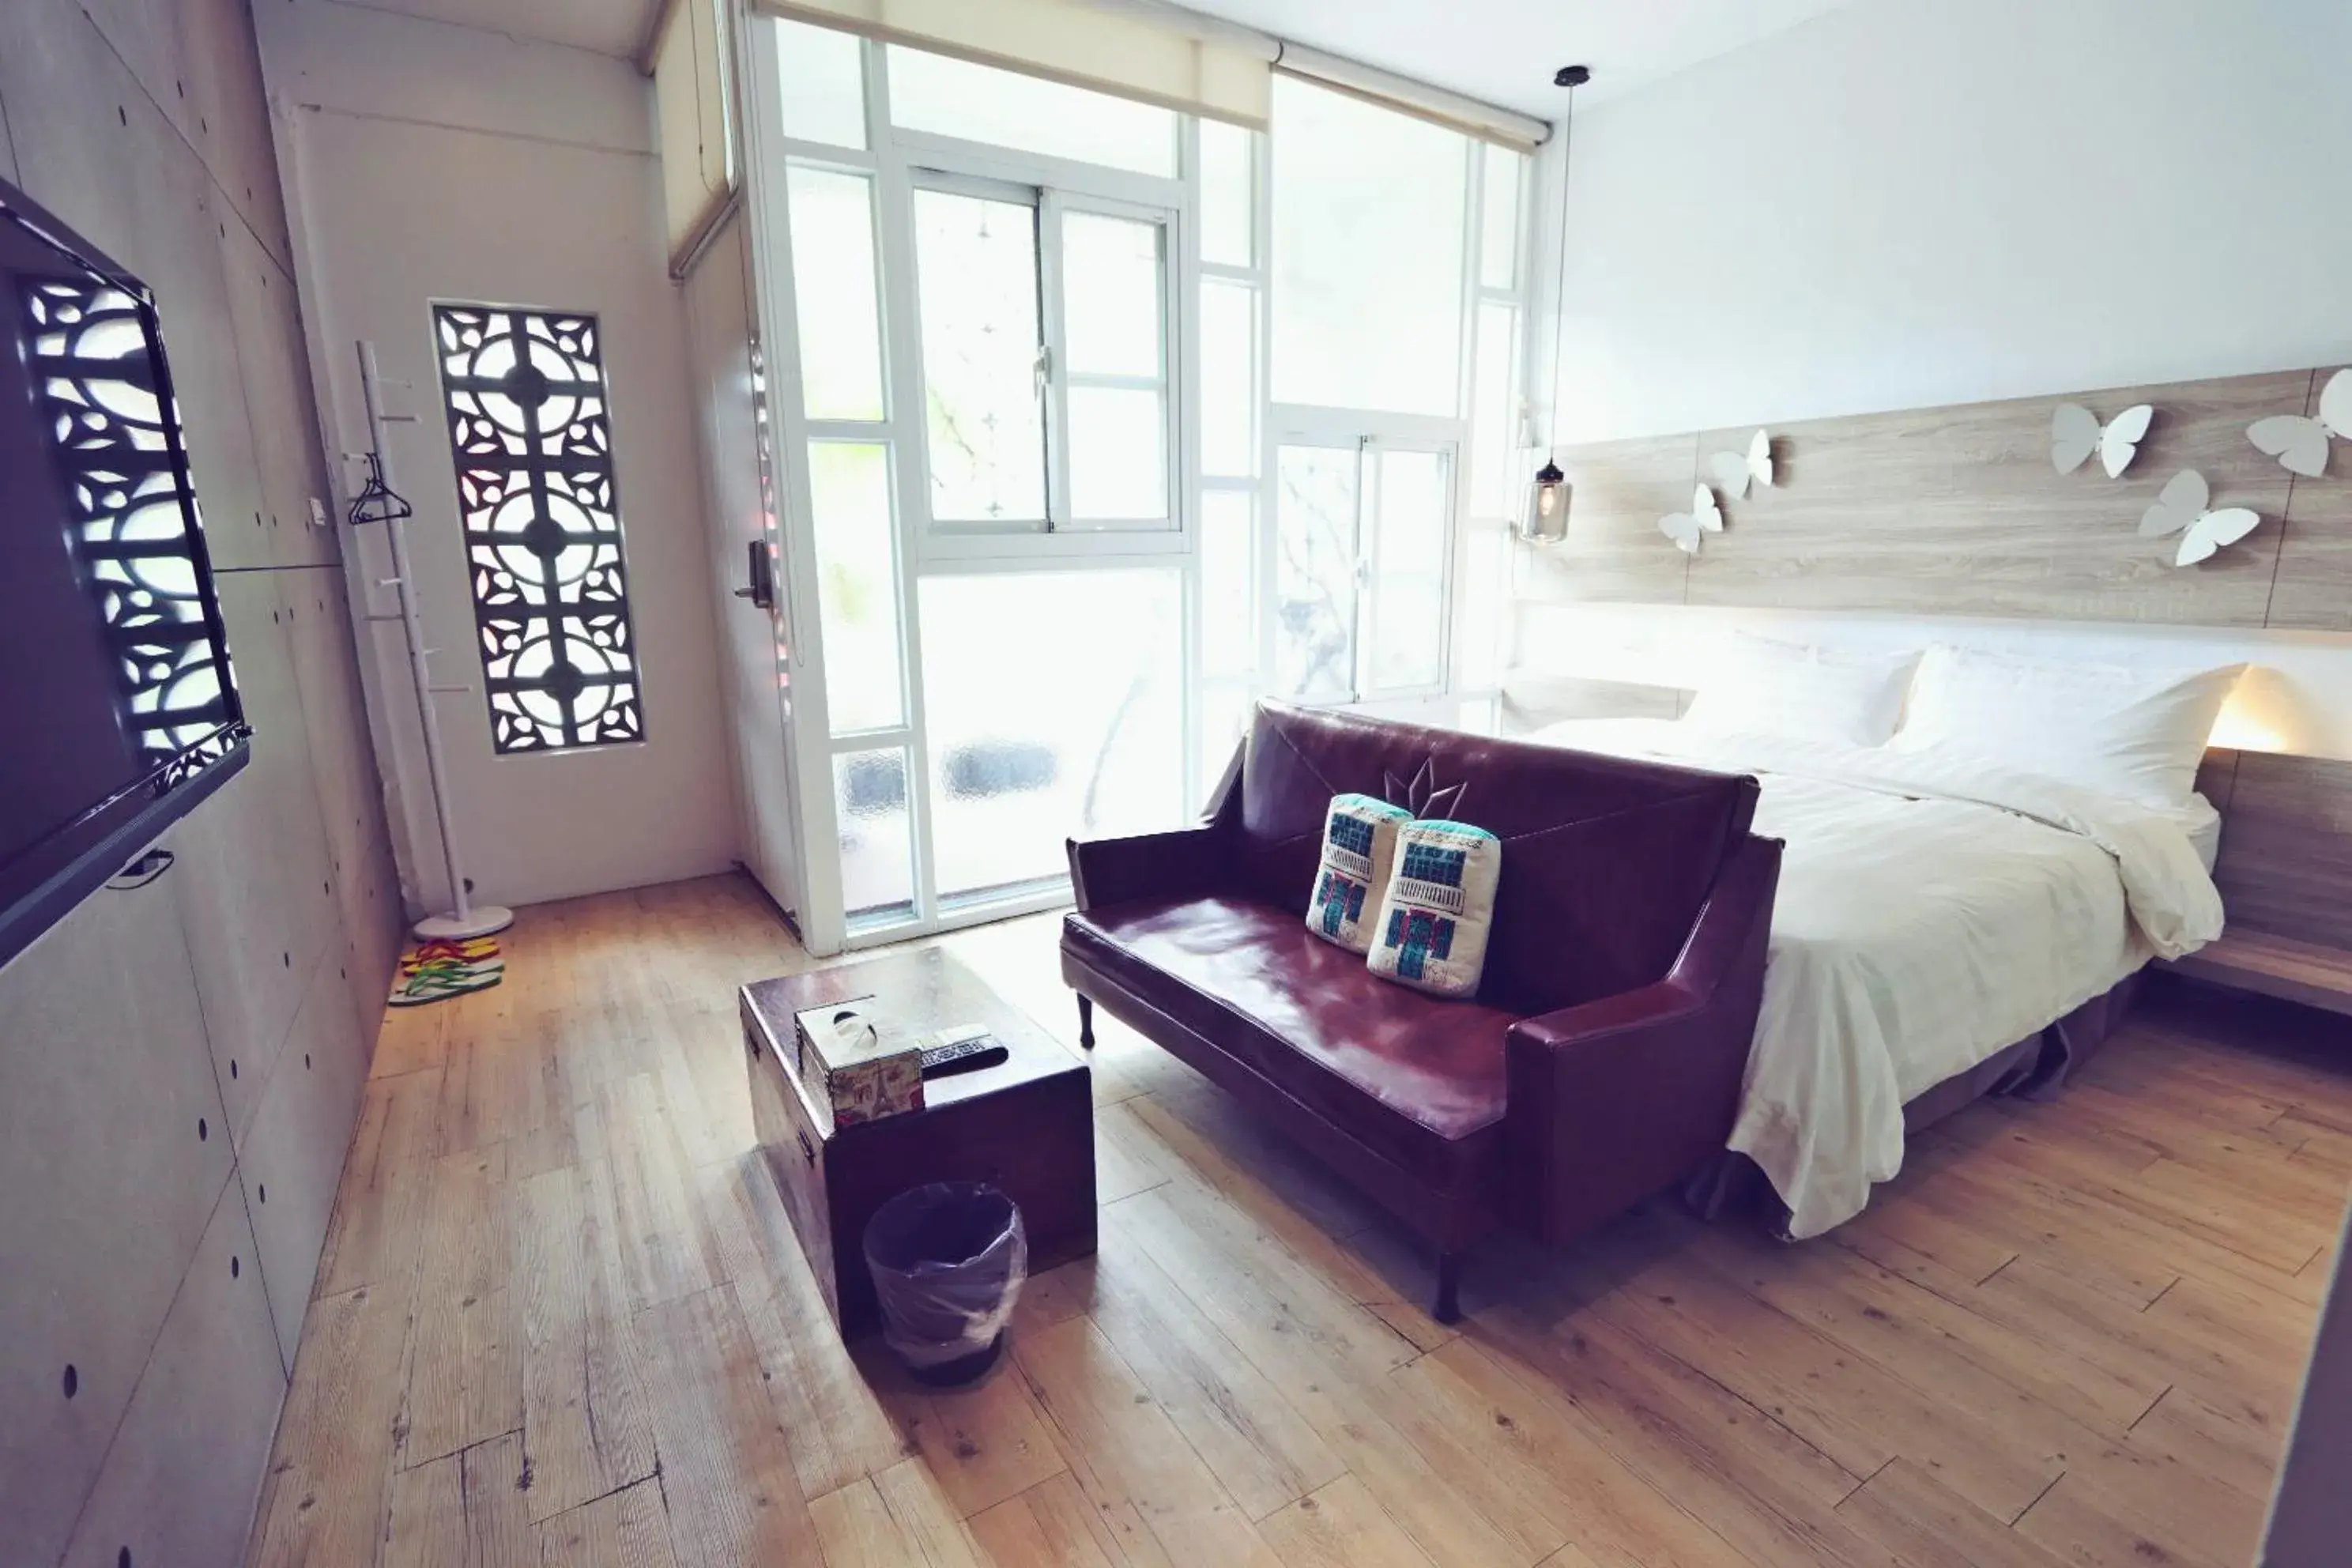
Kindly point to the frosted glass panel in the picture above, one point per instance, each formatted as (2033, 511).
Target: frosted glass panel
(1111, 287)
(980, 103)
(1493, 412)
(1228, 194)
(976, 267)
(833, 280)
(1499, 222)
(1118, 462)
(1406, 642)
(1368, 253)
(1054, 703)
(1484, 618)
(1314, 572)
(823, 85)
(877, 859)
(858, 588)
(1228, 584)
(1228, 378)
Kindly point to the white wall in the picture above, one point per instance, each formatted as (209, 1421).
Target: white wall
(1905, 202)
(428, 162)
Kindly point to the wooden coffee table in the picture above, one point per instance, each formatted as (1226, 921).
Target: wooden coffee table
(1026, 1126)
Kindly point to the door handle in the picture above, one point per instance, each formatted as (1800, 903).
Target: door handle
(762, 589)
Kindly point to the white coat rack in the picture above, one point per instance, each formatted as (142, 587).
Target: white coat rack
(468, 919)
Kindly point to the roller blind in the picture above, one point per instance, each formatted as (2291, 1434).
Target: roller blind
(1133, 49)
(695, 119)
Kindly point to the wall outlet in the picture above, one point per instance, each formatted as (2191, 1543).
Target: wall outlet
(318, 513)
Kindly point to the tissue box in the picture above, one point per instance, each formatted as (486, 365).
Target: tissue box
(855, 1061)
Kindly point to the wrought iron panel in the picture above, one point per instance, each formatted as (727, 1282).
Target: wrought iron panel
(134, 523)
(530, 433)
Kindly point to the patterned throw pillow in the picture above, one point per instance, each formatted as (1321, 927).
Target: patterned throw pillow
(1359, 841)
(1438, 908)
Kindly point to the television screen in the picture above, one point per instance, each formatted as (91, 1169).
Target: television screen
(118, 709)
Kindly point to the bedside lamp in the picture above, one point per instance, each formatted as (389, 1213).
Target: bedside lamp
(1545, 521)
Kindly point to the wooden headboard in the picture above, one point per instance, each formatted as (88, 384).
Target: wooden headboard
(1957, 511)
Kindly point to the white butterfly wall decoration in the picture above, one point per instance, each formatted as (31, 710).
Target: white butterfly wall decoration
(2076, 433)
(2300, 444)
(1734, 472)
(2180, 508)
(1684, 527)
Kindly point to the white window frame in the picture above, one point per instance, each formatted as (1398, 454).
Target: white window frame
(1464, 694)
(895, 158)
(910, 159)
(1305, 424)
(1258, 276)
(1339, 429)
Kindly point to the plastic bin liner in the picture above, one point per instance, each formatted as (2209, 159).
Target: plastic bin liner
(949, 1260)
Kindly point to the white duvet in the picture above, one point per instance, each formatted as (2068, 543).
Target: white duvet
(1933, 909)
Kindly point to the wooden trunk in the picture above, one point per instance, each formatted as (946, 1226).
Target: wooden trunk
(1026, 1127)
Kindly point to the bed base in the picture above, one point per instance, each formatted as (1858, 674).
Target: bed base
(2035, 1067)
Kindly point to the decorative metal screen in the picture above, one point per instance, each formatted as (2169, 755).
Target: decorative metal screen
(115, 433)
(532, 434)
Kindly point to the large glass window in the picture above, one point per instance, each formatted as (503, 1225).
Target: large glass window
(1368, 236)
(983, 355)
(877, 854)
(833, 280)
(1314, 572)
(1362, 532)
(823, 77)
(972, 102)
(1113, 421)
(858, 585)
(1483, 601)
(1229, 401)
(1228, 194)
(1054, 702)
(1004, 276)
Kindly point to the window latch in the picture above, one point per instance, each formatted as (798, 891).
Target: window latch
(1042, 367)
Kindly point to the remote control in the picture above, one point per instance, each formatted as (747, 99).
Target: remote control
(968, 1055)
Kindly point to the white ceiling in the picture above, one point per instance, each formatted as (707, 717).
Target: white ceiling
(1505, 51)
(607, 26)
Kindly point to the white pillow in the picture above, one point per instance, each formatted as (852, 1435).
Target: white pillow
(1817, 693)
(2127, 732)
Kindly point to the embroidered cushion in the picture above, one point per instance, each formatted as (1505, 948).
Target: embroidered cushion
(1360, 838)
(1438, 907)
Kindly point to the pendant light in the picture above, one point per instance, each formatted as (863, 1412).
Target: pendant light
(1546, 521)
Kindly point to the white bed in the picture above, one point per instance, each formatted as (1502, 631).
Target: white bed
(1932, 911)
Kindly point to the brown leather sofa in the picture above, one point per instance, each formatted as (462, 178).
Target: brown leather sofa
(1602, 1056)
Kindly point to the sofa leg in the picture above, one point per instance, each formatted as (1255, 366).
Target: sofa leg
(1086, 1020)
(1447, 1309)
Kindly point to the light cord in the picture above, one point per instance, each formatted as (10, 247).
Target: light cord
(1560, 293)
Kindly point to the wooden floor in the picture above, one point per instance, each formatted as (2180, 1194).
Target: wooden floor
(561, 1319)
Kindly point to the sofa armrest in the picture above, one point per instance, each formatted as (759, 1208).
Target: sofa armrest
(1614, 1098)
(1185, 862)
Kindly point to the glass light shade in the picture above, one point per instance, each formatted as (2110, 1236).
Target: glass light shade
(1546, 521)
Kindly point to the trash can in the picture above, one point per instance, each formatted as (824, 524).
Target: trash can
(949, 1260)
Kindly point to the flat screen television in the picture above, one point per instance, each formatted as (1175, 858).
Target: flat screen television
(118, 710)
